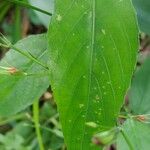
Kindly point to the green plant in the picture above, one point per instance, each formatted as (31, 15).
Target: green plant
(88, 57)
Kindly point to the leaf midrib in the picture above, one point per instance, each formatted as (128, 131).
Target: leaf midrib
(91, 64)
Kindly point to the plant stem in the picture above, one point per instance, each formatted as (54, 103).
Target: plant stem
(23, 4)
(36, 123)
(7, 44)
(13, 118)
(28, 55)
(127, 139)
(55, 132)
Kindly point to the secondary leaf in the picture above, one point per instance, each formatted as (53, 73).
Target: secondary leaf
(139, 94)
(92, 57)
(19, 91)
(143, 13)
(138, 134)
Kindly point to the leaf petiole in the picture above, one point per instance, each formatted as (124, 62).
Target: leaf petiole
(36, 123)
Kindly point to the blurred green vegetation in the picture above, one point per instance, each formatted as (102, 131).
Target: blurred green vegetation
(18, 132)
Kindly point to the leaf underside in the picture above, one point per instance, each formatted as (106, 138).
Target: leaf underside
(92, 49)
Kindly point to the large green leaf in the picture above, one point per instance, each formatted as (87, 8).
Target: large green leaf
(143, 13)
(140, 90)
(138, 134)
(19, 91)
(92, 57)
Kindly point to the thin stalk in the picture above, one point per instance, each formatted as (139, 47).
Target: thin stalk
(7, 44)
(23, 4)
(36, 123)
(127, 139)
(3, 45)
(28, 55)
(13, 118)
(55, 132)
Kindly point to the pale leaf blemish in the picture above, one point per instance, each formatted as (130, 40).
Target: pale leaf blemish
(105, 93)
(95, 88)
(59, 17)
(103, 87)
(81, 105)
(103, 72)
(91, 124)
(97, 97)
(103, 31)
(84, 77)
(108, 82)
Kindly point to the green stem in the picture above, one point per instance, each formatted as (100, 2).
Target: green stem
(23, 4)
(13, 118)
(127, 139)
(36, 123)
(55, 132)
(7, 44)
(28, 55)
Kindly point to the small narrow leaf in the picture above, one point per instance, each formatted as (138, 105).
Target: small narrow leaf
(92, 57)
(17, 89)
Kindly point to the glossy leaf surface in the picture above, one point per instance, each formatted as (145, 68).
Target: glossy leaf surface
(92, 49)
